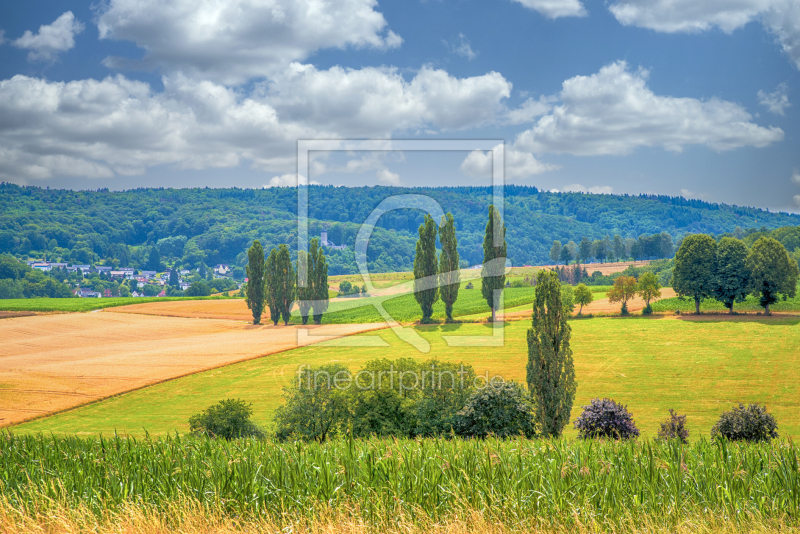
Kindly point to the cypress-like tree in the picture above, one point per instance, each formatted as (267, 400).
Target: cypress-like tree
(286, 283)
(550, 370)
(425, 266)
(732, 276)
(585, 249)
(695, 268)
(154, 260)
(272, 286)
(304, 294)
(255, 293)
(449, 273)
(772, 271)
(174, 279)
(493, 277)
(319, 275)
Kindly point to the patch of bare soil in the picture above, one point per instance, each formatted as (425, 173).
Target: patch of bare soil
(56, 362)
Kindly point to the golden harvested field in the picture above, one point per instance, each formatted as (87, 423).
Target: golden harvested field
(55, 362)
(234, 309)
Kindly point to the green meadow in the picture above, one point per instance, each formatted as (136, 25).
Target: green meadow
(699, 367)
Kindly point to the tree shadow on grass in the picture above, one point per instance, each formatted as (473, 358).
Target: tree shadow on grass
(770, 320)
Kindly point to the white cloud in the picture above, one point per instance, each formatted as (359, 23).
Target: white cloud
(796, 177)
(122, 126)
(685, 193)
(780, 17)
(614, 112)
(288, 180)
(597, 189)
(530, 110)
(51, 39)
(556, 8)
(461, 48)
(518, 164)
(776, 101)
(373, 102)
(797, 199)
(233, 41)
(385, 176)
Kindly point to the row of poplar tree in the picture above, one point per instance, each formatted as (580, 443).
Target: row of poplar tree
(272, 283)
(439, 277)
(727, 271)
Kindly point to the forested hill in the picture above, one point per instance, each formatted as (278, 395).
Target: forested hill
(190, 226)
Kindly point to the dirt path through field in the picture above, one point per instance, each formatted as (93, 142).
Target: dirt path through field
(599, 306)
(55, 362)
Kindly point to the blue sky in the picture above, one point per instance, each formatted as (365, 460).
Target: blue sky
(675, 97)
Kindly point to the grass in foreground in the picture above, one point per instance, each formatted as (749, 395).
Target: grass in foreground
(700, 368)
(81, 304)
(383, 481)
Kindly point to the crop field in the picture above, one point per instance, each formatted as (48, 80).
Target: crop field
(82, 304)
(697, 367)
(56, 362)
(563, 486)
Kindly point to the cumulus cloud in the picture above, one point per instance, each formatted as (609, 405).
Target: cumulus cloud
(797, 200)
(796, 177)
(233, 41)
(385, 176)
(51, 39)
(530, 110)
(780, 17)
(685, 193)
(614, 112)
(776, 101)
(556, 8)
(119, 126)
(461, 47)
(376, 101)
(596, 189)
(518, 164)
(288, 180)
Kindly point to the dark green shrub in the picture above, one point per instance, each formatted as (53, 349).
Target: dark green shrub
(503, 411)
(751, 423)
(228, 419)
(469, 285)
(674, 428)
(606, 419)
(624, 311)
(315, 407)
(648, 310)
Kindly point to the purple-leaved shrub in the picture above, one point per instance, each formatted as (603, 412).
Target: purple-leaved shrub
(606, 419)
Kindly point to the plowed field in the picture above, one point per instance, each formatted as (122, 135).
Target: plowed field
(55, 362)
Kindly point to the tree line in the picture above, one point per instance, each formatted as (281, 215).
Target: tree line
(188, 227)
(728, 271)
(272, 282)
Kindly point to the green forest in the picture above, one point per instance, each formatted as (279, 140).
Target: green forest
(192, 227)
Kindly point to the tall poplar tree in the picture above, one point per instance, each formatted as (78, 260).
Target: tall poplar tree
(272, 286)
(304, 294)
(286, 283)
(493, 277)
(550, 370)
(695, 269)
(732, 276)
(449, 273)
(255, 291)
(319, 275)
(425, 266)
